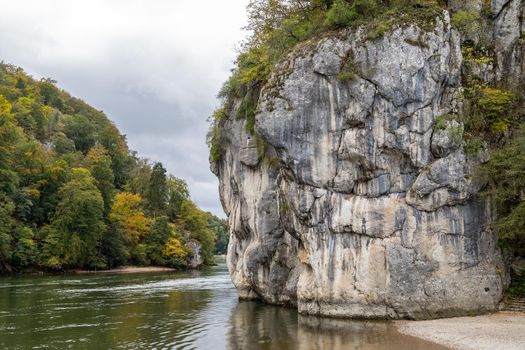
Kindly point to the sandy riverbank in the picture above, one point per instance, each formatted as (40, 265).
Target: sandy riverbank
(130, 269)
(498, 331)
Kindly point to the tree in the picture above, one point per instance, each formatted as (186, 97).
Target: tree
(40, 179)
(23, 204)
(157, 190)
(127, 215)
(10, 136)
(178, 192)
(99, 163)
(6, 226)
(46, 196)
(79, 129)
(161, 231)
(78, 223)
(117, 149)
(220, 227)
(24, 247)
(33, 117)
(50, 251)
(139, 176)
(62, 144)
(504, 175)
(174, 251)
(195, 222)
(50, 93)
(113, 246)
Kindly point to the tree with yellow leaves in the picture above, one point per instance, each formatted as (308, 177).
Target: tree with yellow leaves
(126, 212)
(175, 251)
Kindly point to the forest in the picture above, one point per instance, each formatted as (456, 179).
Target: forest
(74, 196)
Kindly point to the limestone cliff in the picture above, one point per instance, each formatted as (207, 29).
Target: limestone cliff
(360, 206)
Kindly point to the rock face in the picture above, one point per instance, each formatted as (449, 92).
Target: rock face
(360, 206)
(196, 259)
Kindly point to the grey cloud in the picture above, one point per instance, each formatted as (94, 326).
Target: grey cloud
(158, 86)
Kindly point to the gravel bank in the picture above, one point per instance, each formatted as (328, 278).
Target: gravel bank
(501, 331)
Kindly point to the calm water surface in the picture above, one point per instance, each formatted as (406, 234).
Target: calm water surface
(180, 310)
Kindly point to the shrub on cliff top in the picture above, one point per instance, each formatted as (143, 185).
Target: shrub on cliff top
(468, 22)
(278, 25)
(342, 13)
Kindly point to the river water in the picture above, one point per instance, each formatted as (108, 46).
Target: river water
(177, 310)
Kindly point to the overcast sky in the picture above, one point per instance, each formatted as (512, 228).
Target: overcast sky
(153, 66)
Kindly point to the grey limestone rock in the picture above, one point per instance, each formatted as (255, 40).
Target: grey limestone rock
(360, 208)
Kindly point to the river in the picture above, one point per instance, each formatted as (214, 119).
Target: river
(176, 310)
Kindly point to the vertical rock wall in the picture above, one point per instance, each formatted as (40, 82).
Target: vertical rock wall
(360, 206)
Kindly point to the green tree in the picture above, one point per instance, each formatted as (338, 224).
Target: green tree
(22, 199)
(220, 227)
(157, 190)
(161, 231)
(504, 175)
(51, 248)
(139, 176)
(62, 144)
(40, 178)
(24, 247)
(50, 94)
(194, 221)
(6, 226)
(46, 196)
(99, 164)
(79, 129)
(10, 136)
(33, 117)
(117, 149)
(78, 224)
(114, 246)
(178, 192)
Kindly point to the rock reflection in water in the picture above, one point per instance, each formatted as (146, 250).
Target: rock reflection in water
(256, 326)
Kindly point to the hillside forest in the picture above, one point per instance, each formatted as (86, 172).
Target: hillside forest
(74, 196)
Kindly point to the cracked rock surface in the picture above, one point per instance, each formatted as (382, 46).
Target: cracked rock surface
(360, 206)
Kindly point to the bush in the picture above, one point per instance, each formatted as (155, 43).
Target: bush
(378, 30)
(517, 286)
(489, 111)
(505, 175)
(474, 145)
(348, 68)
(214, 136)
(341, 14)
(441, 121)
(456, 134)
(468, 22)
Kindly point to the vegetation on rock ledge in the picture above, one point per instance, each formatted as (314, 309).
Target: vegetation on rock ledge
(279, 25)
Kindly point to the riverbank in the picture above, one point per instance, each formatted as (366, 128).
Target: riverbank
(501, 330)
(128, 269)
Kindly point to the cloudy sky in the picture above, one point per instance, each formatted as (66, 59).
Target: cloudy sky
(153, 66)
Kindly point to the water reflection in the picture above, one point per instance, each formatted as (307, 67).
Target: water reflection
(261, 327)
(164, 311)
(183, 310)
